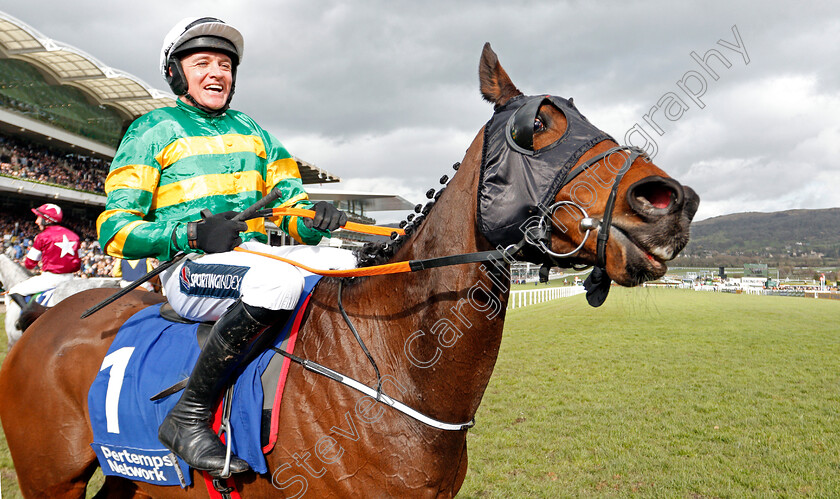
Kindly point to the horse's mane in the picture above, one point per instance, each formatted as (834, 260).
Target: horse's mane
(378, 253)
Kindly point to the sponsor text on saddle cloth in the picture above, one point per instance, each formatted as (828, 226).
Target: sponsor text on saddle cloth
(42, 298)
(150, 354)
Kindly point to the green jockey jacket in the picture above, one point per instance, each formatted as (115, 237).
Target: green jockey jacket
(175, 161)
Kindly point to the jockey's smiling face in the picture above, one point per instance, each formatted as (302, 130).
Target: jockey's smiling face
(209, 77)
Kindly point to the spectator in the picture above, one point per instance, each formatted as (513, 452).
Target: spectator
(41, 164)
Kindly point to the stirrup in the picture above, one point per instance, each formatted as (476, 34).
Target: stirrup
(226, 430)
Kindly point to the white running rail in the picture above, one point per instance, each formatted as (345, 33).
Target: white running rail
(528, 297)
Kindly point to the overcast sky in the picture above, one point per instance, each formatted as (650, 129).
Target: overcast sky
(384, 93)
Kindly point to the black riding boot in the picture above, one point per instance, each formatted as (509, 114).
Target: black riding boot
(29, 311)
(19, 299)
(186, 430)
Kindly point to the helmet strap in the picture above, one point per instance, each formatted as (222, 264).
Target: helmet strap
(211, 112)
(175, 76)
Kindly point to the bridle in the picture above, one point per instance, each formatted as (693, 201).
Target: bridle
(539, 235)
(519, 185)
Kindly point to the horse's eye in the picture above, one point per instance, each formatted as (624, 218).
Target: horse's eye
(539, 126)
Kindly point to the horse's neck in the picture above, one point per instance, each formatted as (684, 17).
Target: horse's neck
(443, 325)
(11, 273)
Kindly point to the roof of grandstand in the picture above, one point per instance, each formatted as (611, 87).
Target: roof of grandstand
(49, 88)
(71, 66)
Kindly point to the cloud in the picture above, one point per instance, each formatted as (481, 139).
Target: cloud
(765, 149)
(385, 94)
(405, 161)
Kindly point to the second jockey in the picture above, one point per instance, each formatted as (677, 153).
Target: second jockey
(56, 249)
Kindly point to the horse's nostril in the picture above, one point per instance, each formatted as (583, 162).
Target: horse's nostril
(655, 195)
(658, 195)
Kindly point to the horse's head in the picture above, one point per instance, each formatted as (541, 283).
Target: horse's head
(554, 180)
(11, 273)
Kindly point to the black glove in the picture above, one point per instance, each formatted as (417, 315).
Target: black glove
(597, 286)
(215, 233)
(327, 217)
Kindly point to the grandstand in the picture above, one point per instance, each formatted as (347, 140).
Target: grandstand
(62, 115)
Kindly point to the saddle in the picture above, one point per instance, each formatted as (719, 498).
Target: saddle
(153, 351)
(204, 328)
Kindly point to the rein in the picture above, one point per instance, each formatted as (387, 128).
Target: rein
(534, 236)
(351, 226)
(408, 266)
(543, 230)
(388, 268)
(399, 267)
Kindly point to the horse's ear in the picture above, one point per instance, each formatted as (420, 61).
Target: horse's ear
(495, 83)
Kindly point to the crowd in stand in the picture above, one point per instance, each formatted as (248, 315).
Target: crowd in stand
(32, 162)
(18, 231)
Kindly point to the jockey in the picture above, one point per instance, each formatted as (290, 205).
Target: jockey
(172, 165)
(56, 248)
(130, 270)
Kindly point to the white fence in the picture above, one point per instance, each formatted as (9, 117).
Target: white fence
(533, 296)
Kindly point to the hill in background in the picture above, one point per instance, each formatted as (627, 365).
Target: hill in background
(792, 237)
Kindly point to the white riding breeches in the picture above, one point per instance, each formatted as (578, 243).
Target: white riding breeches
(202, 287)
(35, 284)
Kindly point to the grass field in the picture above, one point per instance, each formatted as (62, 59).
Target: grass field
(663, 393)
(658, 393)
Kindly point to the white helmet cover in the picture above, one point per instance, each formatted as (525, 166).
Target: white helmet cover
(188, 28)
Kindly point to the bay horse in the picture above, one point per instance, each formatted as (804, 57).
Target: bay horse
(435, 334)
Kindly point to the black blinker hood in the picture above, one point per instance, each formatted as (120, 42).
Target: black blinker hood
(515, 180)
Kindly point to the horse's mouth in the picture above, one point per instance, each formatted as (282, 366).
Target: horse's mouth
(642, 263)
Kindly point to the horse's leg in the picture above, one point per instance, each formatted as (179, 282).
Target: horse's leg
(462, 473)
(12, 314)
(44, 383)
(116, 487)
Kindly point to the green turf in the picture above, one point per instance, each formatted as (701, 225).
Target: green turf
(663, 393)
(8, 479)
(658, 393)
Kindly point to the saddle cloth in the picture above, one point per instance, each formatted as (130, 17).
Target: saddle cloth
(150, 354)
(41, 297)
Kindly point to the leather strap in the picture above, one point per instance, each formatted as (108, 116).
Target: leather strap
(192, 234)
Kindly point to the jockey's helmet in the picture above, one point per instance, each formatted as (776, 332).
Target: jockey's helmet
(191, 35)
(49, 212)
